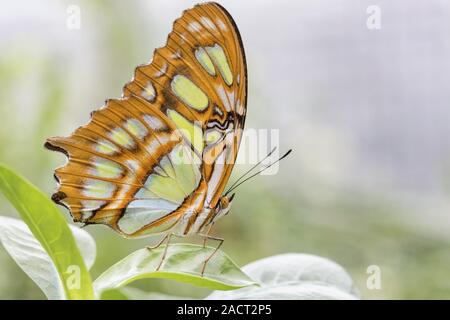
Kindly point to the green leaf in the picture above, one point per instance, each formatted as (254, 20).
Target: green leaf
(294, 276)
(52, 231)
(130, 293)
(31, 257)
(182, 263)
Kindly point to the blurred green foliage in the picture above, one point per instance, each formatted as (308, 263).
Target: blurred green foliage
(270, 215)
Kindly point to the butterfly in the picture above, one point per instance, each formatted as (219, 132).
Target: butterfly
(157, 160)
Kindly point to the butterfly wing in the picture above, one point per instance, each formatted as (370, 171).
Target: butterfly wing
(200, 81)
(167, 148)
(125, 170)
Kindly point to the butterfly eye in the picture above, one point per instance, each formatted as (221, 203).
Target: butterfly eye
(224, 202)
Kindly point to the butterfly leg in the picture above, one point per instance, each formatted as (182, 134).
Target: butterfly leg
(169, 236)
(158, 244)
(166, 239)
(208, 237)
(205, 237)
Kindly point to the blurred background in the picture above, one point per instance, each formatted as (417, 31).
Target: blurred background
(365, 110)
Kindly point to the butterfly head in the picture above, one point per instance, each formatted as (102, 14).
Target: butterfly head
(223, 206)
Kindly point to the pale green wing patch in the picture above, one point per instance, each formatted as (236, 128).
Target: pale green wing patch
(220, 60)
(173, 180)
(189, 93)
(191, 131)
(202, 56)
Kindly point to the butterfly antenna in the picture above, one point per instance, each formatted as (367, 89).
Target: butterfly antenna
(262, 170)
(251, 169)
